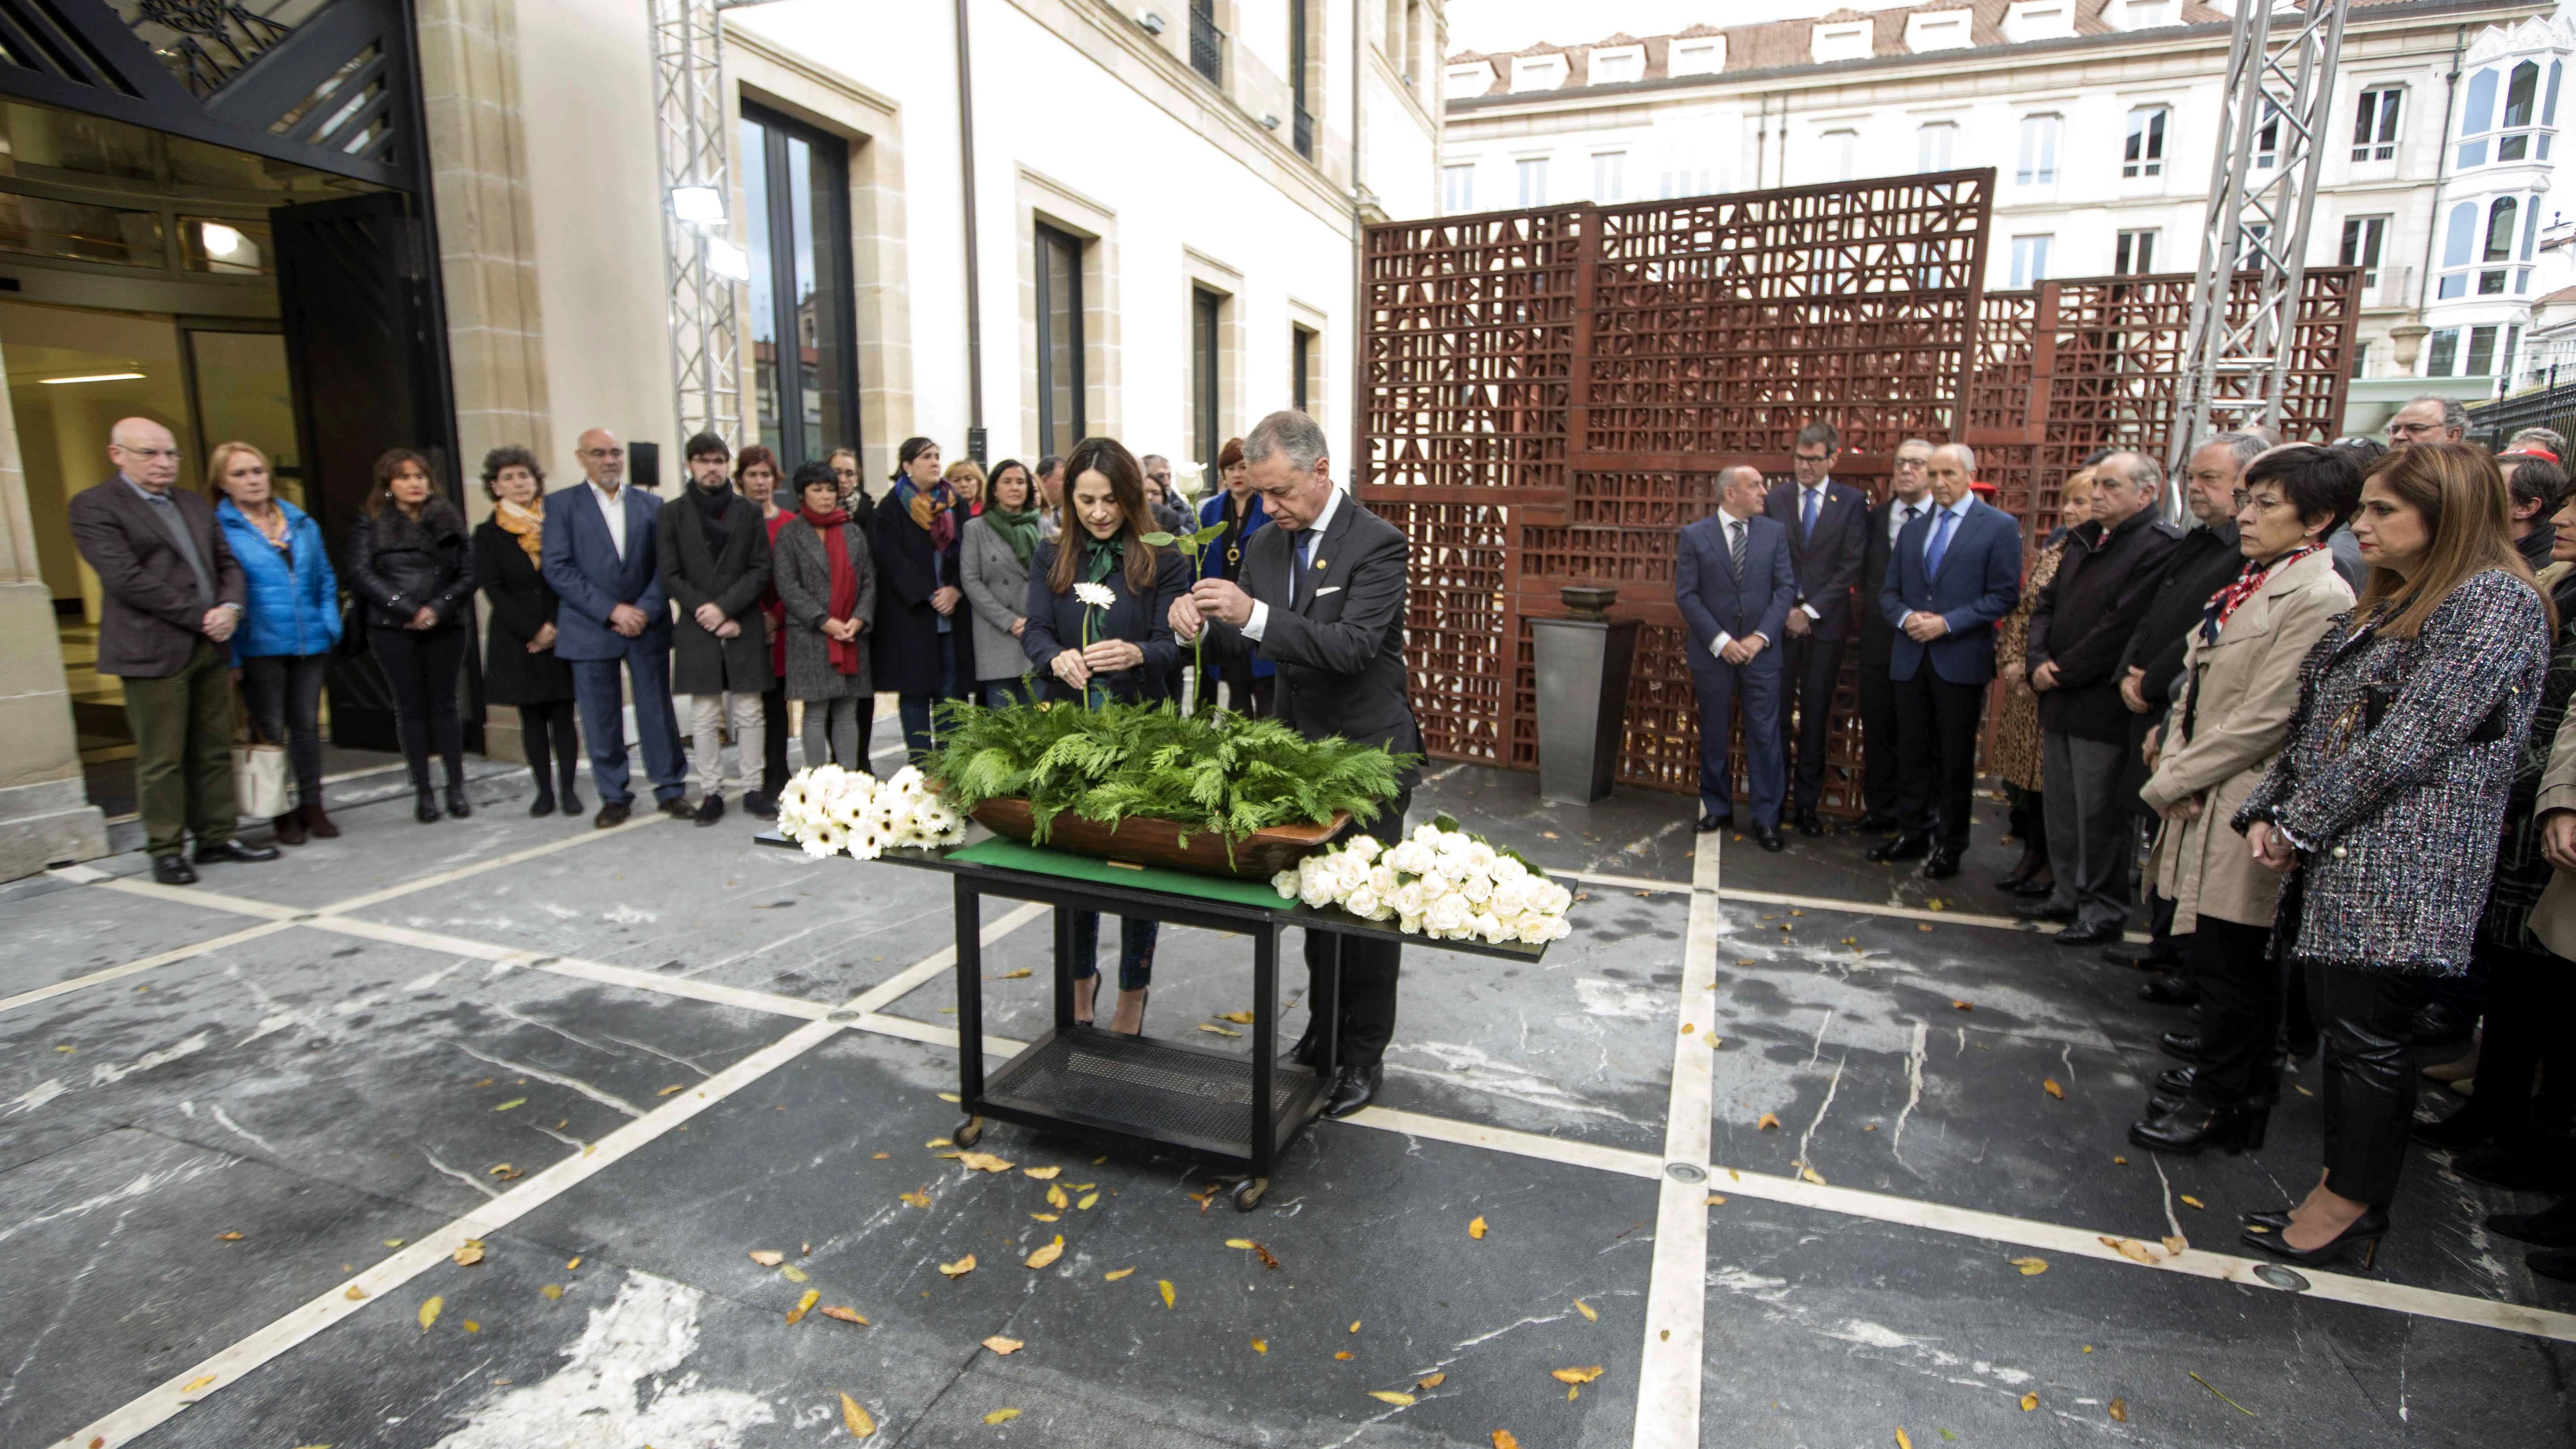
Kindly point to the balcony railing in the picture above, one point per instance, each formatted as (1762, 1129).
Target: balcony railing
(1207, 45)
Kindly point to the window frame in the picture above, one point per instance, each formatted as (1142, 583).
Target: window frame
(1057, 240)
(2364, 244)
(1523, 168)
(2041, 133)
(2142, 154)
(835, 277)
(1207, 373)
(2377, 114)
(1458, 188)
(2133, 251)
(1841, 146)
(1949, 138)
(1618, 174)
(2029, 266)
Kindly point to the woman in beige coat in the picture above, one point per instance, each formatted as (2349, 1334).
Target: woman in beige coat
(2230, 716)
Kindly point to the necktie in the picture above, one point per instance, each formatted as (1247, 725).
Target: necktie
(1807, 512)
(168, 513)
(1297, 575)
(1910, 511)
(1940, 543)
(1735, 546)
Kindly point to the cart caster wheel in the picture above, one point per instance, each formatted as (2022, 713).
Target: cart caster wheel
(1247, 1193)
(968, 1132)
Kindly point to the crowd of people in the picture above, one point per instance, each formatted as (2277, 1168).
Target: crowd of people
(2323, 723)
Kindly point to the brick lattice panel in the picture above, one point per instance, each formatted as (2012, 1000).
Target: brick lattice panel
(1547, 397)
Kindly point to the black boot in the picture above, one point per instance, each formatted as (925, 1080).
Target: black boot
(457, 804)
(2196, 1125)
(544, 804)
(569, 798)
(425, 806)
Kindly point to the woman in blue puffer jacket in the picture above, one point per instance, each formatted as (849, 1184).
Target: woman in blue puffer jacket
(293, 619)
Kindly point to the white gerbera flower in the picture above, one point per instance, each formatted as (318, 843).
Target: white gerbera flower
(1095, 596)
(825, 840)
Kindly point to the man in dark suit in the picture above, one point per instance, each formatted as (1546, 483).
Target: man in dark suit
(1321, 596)
(713, 552)
(600, 558)
(1955, 572)
(1828, 525)
(170, 594)
(1734, 584)
(1909, 498)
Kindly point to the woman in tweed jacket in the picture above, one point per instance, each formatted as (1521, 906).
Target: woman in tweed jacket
(829, 603)
(2386, 802)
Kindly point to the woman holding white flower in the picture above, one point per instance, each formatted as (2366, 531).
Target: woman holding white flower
(1099, 629)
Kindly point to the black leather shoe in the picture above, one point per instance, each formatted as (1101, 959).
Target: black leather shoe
(677, 807)
(1303, 1053)
(544, 804)
(172, 870)
(1355, 1088)
(2145, 955)
(759, 806)
(2555, 1228)
(1912, 845)
(2521, 1166)
(2176, 1081)
(1711, 823)
(2168, 991)
(1770, 837)
(2038, 888)
(2095, 934)
(2558, 1263)
(1942, 864)
(2365, 1233)
(1808, 825)
(612, 813)
(457, 805)
(2182, 1046)
(710, 810)
(1873, 822)
(424, 807)
(570, 798)
(2193, 1126)
(235, 852)
(2042, 910)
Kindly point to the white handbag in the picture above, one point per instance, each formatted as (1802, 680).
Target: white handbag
(260, 789)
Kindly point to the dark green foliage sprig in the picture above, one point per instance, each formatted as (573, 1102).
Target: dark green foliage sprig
(1218, 773)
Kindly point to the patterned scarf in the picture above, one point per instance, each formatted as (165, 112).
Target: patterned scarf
(932, 509)
(2249, 580)
(525, 522)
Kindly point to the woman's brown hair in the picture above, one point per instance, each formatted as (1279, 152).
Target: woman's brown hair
(758, 455)
(1230, 454)
(380, 498)
(220, 462)
(1110, 459)
(2468, 520)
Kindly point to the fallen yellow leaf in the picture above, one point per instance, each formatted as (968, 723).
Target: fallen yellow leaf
(473, 1327)
(1239, 1018)
(768, 1257)
(666, 1091)
(1503, 1440)
(804, 1306)
(1355, 1325)
(1261, 1345)
(575, 1263)
(1575, 1375)
(2189, 1201)
(468, 1254)
(1244, 1244)
(228, 1237)
(1476, 1229)
(1015, 975)
(1047, 1254)
(938, 1142)
(1042, 1174)
(2029, 1402)
(950, 1097)
(1345, 1355)
(998, 1344)
(856, 1419)
(2119, 1411)
(917, 1199)
(1711, 1039)
(1431, 1381)
(1715, 1200)
(879, 1157)
(1768, 1121)
(1961, 1006)
(792, 1273)
(1114, 1274)
(960, 1268)
(355, 1293)
(2030, 1267)
(2134, 1251)
(1688, 1028)
(1902, 1442)
(513, 1102)
(195, 1384)
(983, 1162)
(1088, 1199)
(1590, 1315)
(1391, 1396)
(393, 1242)
(2049, 1085)
(845, 1315)
(2177, 1245)
(1219, 1030)
(1001, 1416)
(429, 1311)
(553, 1292)
(1165, 1285)
(1046, 1217)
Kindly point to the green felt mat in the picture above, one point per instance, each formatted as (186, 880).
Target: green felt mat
(1038, 860)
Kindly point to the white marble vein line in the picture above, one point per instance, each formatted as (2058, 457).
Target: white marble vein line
(1668, 1375)
(115, 973)
(1902, 913)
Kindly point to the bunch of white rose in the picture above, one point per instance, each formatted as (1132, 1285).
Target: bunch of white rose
(1439, 882)
(829, 810)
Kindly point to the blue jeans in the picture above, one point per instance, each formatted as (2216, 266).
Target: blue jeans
(1001, 692)
(1135, 949)
(916, 707)
(603, 719)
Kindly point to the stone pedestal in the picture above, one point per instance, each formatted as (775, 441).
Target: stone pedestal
(1583, 663)
(45, 814)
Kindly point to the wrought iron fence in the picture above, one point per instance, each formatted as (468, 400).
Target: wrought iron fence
(1207, 43)
(2552, 407)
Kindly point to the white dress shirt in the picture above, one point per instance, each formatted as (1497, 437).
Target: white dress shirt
(612, 506)
(1958, 510)
(1260, 619)
(1897, 517)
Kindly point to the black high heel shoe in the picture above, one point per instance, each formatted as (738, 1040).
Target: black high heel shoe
(2194, 1126)
(2365, 1230)
(2277, 1220)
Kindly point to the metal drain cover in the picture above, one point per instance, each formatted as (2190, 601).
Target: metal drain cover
(2282, 1278)
(1685, 1172)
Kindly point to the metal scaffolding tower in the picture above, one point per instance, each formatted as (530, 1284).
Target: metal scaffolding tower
(2262, 196)
(704, 266)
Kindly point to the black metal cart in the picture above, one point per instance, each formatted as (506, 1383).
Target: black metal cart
(1142, 1091)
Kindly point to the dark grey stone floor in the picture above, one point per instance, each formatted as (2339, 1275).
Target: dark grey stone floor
(324, 1095)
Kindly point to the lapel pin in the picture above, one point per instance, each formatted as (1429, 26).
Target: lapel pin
(1319, 563)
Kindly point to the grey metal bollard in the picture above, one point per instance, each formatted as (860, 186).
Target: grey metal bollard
(1583, 663)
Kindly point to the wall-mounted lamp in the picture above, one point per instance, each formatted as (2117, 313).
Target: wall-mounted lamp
(698, 205)
(1152, 22)
(727, 260)
(1270, 122)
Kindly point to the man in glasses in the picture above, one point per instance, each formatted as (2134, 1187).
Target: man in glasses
(601, 558)
(2428, 419)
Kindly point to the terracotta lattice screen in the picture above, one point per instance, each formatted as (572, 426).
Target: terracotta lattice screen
(1547, 397)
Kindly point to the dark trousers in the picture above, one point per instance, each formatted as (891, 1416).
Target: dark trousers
(2530, 997)
(2369, 1089)
(1882, 754)
(421, 666)
(1135, 949)
(284, 695)
(916, 708)
(2241, 990)
(1365, 1007)
(2090, 839)
(1717, 685)
(1936, 727)
(546, 734)
(1001, 693)
(183, 761)
(1244, 694)
(773, 740)
(1807, 677)
(603, 720)
(2030, 819)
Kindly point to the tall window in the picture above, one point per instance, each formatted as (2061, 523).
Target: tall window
(1458, 188)
(2525, 126)
(2482, 353)
(2038, 151)
(1301, 369)
(2029, 260)
(2145, 153)
(2267, 137)
(1840, 148)
(1061, 423)
(804, 330)
(2504, 216)
(2374, 124)
(2364, 237)
(1207, 43)
(2134, 254)
(1207, 360)
(1933, 141)
(2361, 359)
(1533, 176)
(1609, 176)
(1303, 132)
(2442, 359)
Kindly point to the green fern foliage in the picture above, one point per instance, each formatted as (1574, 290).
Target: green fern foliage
(1218, 772)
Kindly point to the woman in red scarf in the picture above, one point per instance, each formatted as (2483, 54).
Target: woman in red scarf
(826, 584)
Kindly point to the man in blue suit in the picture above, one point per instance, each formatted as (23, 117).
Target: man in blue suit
(598, 557)
(1954, 573)
(1828, 525)
(1734, 583)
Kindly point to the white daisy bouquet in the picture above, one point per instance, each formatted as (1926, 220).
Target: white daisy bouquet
(830, 811)
(1439, 882)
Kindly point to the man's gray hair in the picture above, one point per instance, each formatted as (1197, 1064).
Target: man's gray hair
(1967, 455)
(1726, 475)
(2246, 446)
(2453, 414)
(2548, 438)
(2137, 470)
(1923, 443)
(1291, 432)
(1150, 459)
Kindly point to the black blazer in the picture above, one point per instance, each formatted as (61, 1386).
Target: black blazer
(521, 605)
(1055, 625)
(1340, 649)
(701, 663)
(1877, 636)
(398, 563)
(904, 640)
(2085, 616)
(1828, 561)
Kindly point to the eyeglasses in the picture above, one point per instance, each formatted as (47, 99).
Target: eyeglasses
(2412, 430)
(149, 455)
(603, 452)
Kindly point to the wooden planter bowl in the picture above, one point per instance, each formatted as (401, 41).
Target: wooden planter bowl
(1141, 840)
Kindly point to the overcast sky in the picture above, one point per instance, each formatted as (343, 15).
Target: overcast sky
(1496, 25)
